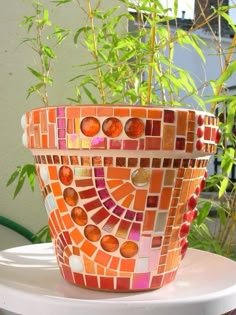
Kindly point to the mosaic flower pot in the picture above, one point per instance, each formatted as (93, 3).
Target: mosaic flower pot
(120, 185)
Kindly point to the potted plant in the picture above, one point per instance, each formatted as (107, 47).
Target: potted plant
(121, 177)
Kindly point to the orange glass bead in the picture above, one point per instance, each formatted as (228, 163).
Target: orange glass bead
(134, 128)
(112, 127)
(90, 126)
(79, 216)
(129, 249)
(66, 175)
(92, 233)
(109, 243)
(70, 196)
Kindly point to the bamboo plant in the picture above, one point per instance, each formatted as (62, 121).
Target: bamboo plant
(129, 66)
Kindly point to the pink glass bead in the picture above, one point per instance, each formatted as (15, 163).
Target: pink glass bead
(199, 145)
(203, 182)
(200, 120)
(197, 190)
(200, 132)
(192, 202)
(184, 248)
(184, 229)
(190, 215)
(218, 136)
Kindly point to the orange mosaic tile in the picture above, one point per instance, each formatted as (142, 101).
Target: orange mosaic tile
(127, 265)
(155, 113)
(181, 123)
(61, 205)
(121, 112)
(165, 198)
(88, 248)
(88, 265)
(118, 173)
(168, 138)
(149, 220)
(114, 263)
(127, 201)
(140, 199)
(123, 191)
(52, 115)
(138, 112)
(102, 258)
(76, 236)
(73, 112)
(105, 111)
(53, 173)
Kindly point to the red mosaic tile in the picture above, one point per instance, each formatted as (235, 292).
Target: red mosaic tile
(107, 283)
(123, 284)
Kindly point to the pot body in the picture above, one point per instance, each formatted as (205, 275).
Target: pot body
(120, 185)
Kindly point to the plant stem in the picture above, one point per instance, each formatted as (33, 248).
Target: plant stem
(152, 55)
(44, 95)
(227, 62)
(95, 52)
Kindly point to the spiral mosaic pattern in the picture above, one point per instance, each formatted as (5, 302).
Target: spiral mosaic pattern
(122, 189)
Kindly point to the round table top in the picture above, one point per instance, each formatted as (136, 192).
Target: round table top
(30, 283)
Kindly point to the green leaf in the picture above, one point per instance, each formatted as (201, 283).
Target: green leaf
(203, 212)
(90, 95)
(61, 2)
(13, 176)
(176, 2)
(223, 186)
(228, 73)
(229, 20)
(37, 74)
(48, 51)
(227, 160)
(34, 89)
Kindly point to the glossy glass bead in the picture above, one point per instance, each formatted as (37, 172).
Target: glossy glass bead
(134, 128)
(90, 126)
(112, 127)
(92, 233)
(70, 196)
(192, 202)
(79, 216)
(200, 132)
(218, 136)
(66, 175)
(128, 249)
(109, 243)
(141, 177)
(199, 145)
(200, 120)
(184, 229)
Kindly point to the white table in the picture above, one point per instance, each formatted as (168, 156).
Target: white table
(30, 283)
